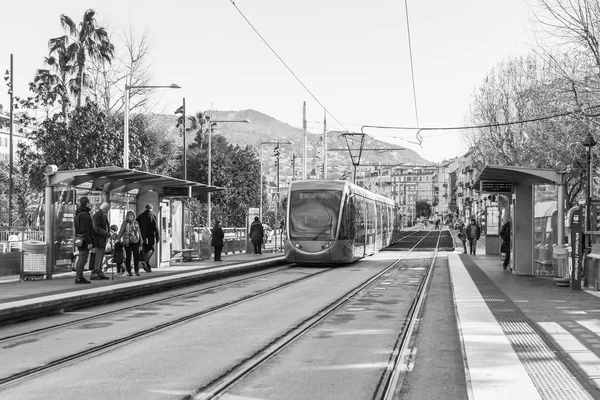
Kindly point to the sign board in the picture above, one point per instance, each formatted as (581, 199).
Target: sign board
(496, 187)
(276, 197)
(175, 191)
(492, 220)
(576, 248)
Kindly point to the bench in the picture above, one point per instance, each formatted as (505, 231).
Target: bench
(183, 255)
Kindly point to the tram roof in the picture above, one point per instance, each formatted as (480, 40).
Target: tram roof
(519, 176)
(123, 180)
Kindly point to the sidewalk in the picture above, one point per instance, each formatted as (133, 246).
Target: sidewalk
(524, 335)
(27, 299)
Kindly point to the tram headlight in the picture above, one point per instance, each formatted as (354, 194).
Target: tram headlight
(327, 245)
(297, 245)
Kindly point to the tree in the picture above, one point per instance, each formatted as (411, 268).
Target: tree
(86, 141)
(423, 209)
(235, 168)
(82, 43)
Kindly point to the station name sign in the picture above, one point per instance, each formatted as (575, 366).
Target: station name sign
(496, 186)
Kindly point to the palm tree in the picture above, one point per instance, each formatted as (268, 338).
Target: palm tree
(198, 123)
(82, 42)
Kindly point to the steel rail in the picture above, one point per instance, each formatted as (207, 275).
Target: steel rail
(221, 384)
(50, 328)
(107, 346)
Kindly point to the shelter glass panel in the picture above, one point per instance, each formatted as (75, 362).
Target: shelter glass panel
(544, 227)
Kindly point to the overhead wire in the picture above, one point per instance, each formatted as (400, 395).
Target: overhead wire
(412, 73)
(449, 128)
(285, 64)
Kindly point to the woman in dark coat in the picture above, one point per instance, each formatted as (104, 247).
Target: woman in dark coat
(505, 246)
(217, 240)
(257, 234)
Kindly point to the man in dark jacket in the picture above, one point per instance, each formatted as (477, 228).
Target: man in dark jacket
(217, 240)
(257, 233)
(473, 232)
(101, 234)
(84, 228)
(150, 235)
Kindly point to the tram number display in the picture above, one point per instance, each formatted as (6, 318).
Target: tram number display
(496, 187)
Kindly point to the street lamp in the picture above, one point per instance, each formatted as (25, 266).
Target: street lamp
(589, 142)
(126, 113)
(210, 126)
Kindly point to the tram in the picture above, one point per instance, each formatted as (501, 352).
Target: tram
(337, 222)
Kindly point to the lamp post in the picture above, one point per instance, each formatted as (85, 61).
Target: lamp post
(589, 142)
(126, 115)
(210, 126)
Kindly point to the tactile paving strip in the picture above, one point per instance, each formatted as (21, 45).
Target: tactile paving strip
(540, 359)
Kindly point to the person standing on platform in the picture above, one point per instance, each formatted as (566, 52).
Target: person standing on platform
(101, 234)
(505, 246)
(473, 234)
(84, 228)
(130, 232)
(150, 235)
(257, 233)
(462, 235)
(217, 240)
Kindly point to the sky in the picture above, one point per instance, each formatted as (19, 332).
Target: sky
(349, 57)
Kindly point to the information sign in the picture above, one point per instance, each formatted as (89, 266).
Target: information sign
(175, 191)
(496, 187)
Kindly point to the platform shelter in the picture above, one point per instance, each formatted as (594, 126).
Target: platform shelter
(519, 183)
(125, 189)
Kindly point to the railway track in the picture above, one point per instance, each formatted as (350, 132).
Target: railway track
(387, 382)
(392, 375)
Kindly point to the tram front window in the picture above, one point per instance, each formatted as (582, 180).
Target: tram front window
(314, 215)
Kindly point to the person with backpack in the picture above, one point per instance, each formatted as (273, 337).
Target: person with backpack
(132, 237)
(83, 236)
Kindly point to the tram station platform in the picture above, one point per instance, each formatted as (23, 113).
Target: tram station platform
(522, 336)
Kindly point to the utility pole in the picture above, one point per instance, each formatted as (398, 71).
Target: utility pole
(10, 146)
(304, 142)
(324, 144)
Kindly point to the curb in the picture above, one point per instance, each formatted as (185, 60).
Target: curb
(22, 310)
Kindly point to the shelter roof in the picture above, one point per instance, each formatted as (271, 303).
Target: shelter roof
(518, 176)
(123, 180)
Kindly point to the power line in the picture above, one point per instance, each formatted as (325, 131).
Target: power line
(284, 63)
(412, 71)
(449, 128)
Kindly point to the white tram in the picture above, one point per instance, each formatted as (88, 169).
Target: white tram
(335, 222)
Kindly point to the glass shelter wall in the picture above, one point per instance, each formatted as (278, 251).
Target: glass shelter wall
(544, 228)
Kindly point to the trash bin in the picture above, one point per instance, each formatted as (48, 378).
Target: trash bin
(560, 262)
(34, 259)
(592, 267)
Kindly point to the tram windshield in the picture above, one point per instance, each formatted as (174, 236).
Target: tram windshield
(314, 214)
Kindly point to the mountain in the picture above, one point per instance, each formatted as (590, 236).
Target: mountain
(264, 128)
